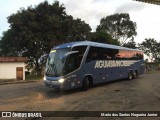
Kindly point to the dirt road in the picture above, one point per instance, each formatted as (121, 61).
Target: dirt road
(141, 94)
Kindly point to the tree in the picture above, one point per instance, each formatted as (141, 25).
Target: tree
(103, 37)
(130, 44)
(6, 44)
(119, 26)
(38, 29)
(151, 48)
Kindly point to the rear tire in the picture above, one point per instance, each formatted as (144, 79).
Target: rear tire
(85, 84)
(130, 75)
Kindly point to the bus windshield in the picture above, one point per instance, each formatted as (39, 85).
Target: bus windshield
(63, 61)
(55, 62)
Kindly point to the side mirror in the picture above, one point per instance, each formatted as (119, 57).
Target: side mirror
(67, 54)
(43, 58)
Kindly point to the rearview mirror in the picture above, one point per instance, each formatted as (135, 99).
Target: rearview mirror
(67, 54)
(71, 52)
(43, 58)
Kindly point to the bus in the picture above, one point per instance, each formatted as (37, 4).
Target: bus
(85, 63)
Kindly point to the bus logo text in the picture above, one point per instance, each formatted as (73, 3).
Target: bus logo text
(113, 63)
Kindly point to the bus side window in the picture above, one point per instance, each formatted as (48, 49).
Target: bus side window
(98, 53)
(92, 54)
(73, 61)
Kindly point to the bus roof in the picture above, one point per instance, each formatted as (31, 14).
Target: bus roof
(89, 43)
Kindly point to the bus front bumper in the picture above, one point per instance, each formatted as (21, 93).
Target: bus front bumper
(53, 84)
(61, 83)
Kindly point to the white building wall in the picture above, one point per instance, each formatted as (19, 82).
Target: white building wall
(8, 70)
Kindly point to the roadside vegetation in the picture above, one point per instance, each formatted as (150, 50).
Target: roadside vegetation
(34, 77)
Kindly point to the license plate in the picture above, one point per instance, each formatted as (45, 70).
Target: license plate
(54, 83)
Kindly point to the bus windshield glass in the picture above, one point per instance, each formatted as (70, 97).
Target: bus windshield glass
(56, 62)
(63, 61)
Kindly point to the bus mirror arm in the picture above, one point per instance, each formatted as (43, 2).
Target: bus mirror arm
(69, 53)
(43, 58)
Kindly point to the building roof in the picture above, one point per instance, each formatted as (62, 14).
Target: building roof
(156, 2)
(13, 59)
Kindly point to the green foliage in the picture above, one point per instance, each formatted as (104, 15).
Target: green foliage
(103, 37)
(119, 26)
(6, 44)
(34, 31)
(34, 77)
(130, 44)
(151, 48)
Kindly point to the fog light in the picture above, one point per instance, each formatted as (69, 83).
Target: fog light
(61, 80)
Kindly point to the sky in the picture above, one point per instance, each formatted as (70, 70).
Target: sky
(146, 16)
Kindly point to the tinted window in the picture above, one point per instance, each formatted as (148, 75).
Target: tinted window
(97, 53)
(129, 55)
(74, 60)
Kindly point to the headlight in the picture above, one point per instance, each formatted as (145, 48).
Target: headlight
(44, 78)
(61, 80)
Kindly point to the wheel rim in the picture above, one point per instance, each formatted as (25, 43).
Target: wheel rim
(135, 74)
(130, 76)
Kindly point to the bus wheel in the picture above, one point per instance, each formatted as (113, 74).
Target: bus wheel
(135, 74)
(130, 76)
(85, 83)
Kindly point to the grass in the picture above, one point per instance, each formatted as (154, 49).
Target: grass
(34, 77)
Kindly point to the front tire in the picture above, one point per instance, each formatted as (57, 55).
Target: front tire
(130, 75)
(85, 84)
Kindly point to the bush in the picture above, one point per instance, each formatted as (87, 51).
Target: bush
(34, 77)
